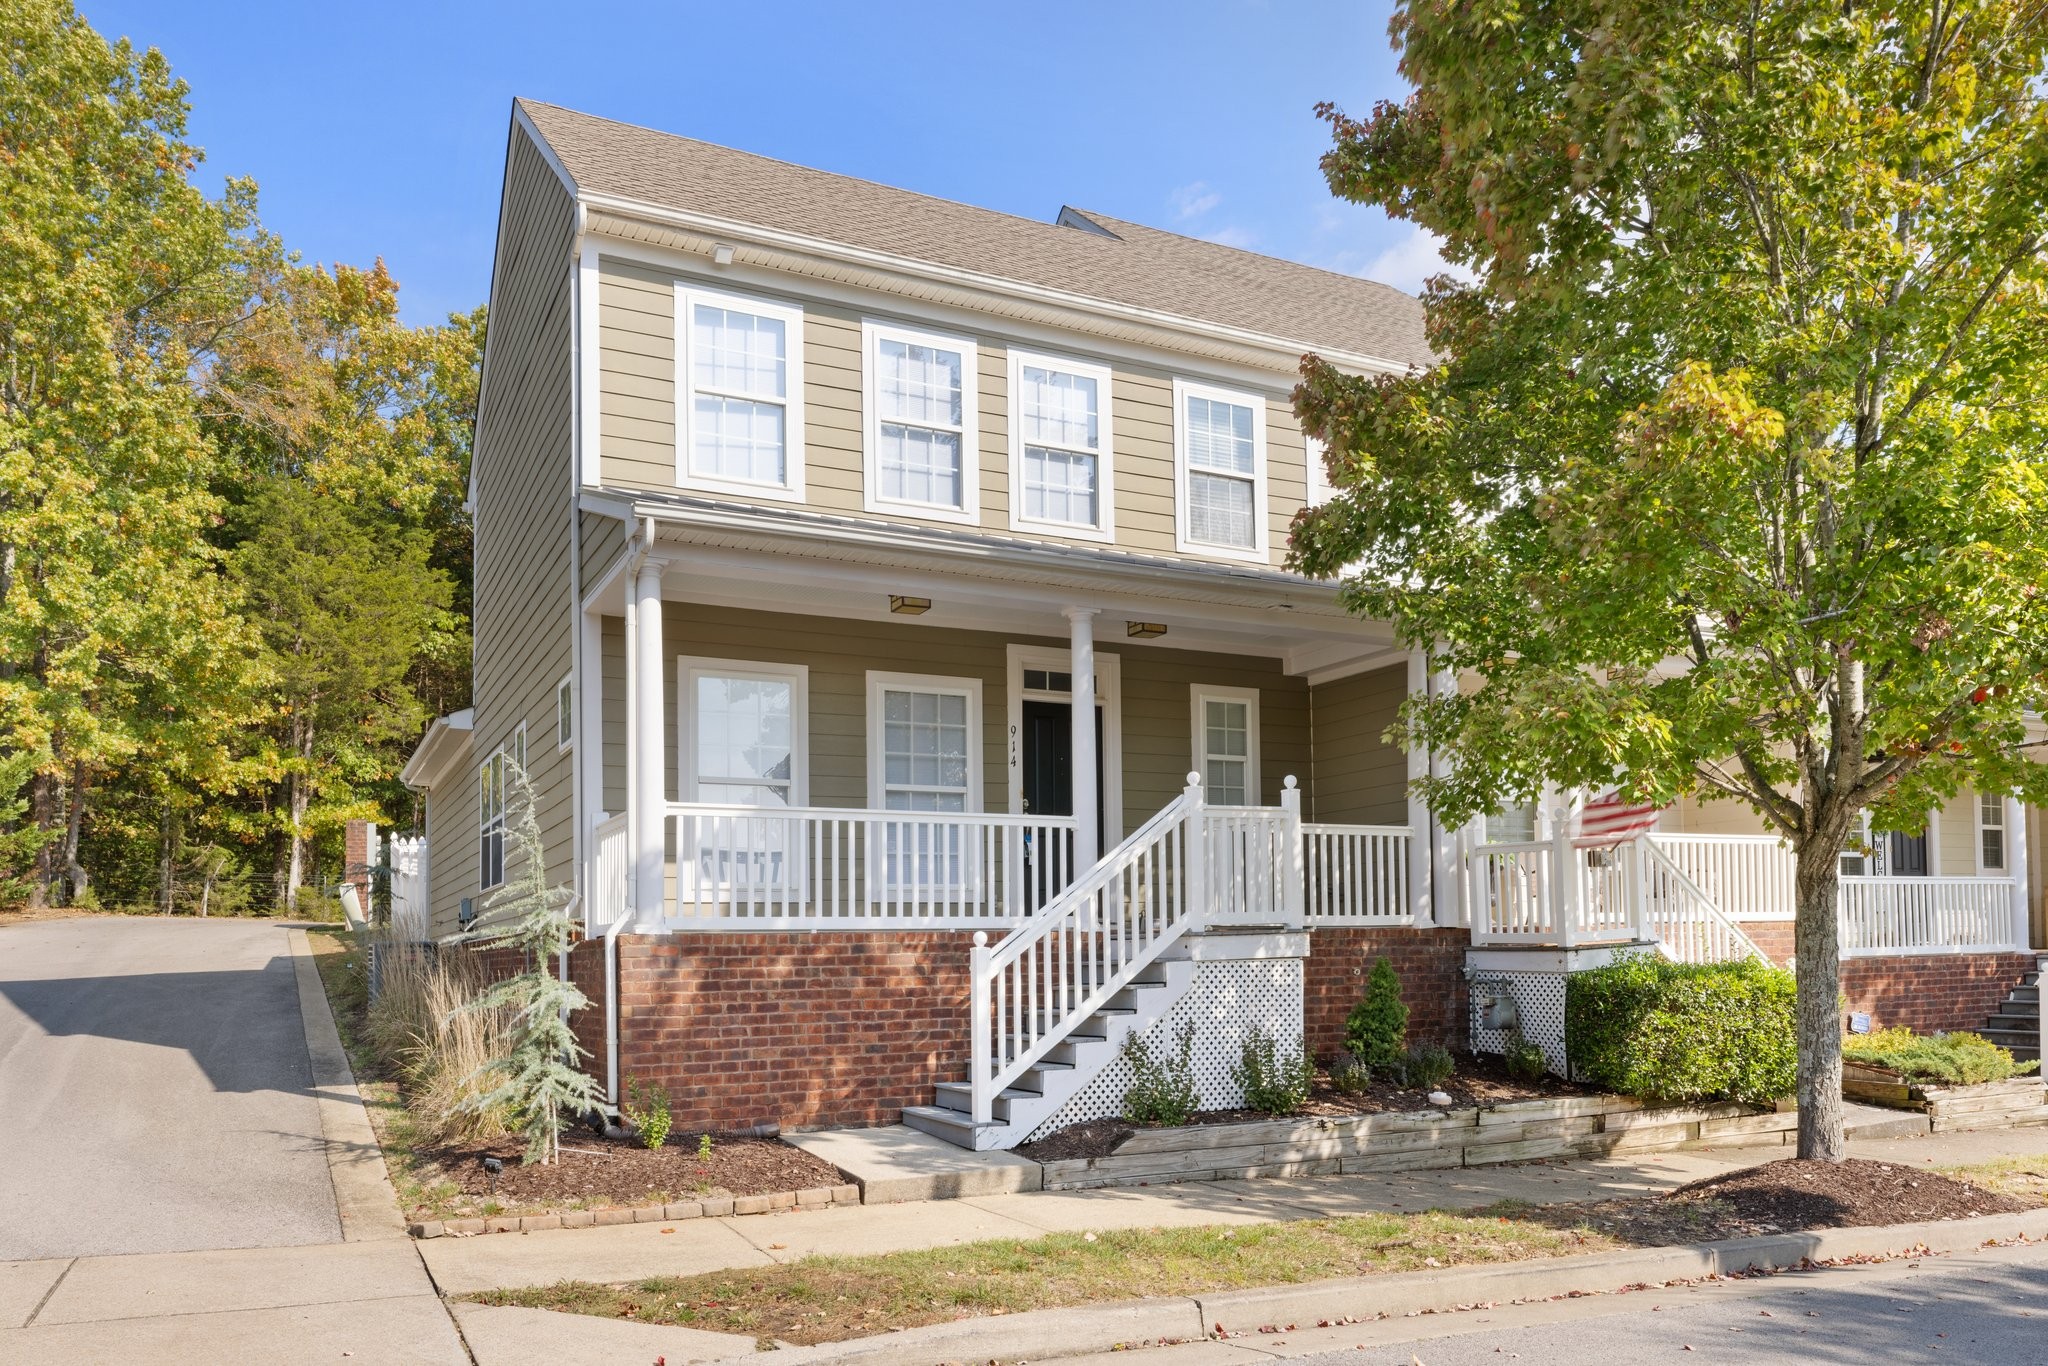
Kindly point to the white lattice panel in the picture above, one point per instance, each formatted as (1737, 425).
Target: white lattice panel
(1539, 1002)
(1227, 1001)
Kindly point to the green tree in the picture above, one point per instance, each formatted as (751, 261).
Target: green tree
(118, 643)
(343, 608)
(1730, 481)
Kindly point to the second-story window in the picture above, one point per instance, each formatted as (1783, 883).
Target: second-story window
(739, 394)
(1059, 446)
(921, 455)
(1219, 446)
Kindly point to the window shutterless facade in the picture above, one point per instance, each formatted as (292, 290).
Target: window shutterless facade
(1219, 457)
(924, 755)
(1226, 743)
(1061, 473)
(1991, 834)
(920, 419)
(739, 394)
(490, 783)
(565, 714)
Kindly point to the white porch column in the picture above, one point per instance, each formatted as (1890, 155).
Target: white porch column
(1447, 872)
(1421, 825)
(1081, 663)
(2016, 869)
(650, 741)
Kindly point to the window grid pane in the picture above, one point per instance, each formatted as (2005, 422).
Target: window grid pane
(1059, 486)
(1220, 510)
(740, 353)
(920, 465)
(1219, 436)
(919, 384)
(745, 740)
(739, 370)
(1059, 409)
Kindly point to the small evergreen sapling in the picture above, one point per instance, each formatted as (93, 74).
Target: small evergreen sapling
(1376, 1031)
(542, 1080)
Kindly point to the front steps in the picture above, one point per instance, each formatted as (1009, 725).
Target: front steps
(2016, 1024)
(1066, 1068)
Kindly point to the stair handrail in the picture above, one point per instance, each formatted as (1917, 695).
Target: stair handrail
(1059, 925)
(1711, 911)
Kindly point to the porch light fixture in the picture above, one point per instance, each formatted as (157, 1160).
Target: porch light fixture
(1144, 630)
(909, 607)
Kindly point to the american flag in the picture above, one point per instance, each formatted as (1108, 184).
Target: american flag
(1608, 821)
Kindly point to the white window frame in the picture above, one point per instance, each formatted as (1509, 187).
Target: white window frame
(874, 331)
(1104, 527)
(1198, 695)
(1258, 552)
(879, 682)
(2003, 868)
(490, 776)
(565, 714)
(691, 667)
(791, 489)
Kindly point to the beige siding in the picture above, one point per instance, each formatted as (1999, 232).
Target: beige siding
(1955, 841)
(638, 419)
(524, 616)
(1360, 779)
(1694, 816)
(1157, 723)
(602, 538)
(451, 846)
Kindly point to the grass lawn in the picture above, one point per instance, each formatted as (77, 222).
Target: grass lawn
(2025, 1177)
(830, 1299)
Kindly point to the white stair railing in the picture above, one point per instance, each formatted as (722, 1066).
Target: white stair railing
(1028, 993)
(1679, 914)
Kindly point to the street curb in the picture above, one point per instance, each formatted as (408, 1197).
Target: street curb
(1046, 1333)
(364, 1200)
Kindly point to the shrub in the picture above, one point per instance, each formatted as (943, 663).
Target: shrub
(1645, 1026)
(1958, 1059)
(441, 1054)
(1427, 1066)
(1162, 1089)
(1526, 1060)
(1377, 1027)
(1274, 1082)
(647, 1107)
(1349, 1075)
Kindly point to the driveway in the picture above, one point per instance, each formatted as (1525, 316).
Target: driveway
(156, 1090)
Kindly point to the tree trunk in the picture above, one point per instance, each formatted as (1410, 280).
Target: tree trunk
(74, 832)
(42, 813)
(1818, 963)
(169, 837)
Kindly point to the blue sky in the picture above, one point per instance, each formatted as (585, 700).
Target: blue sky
(378, 128)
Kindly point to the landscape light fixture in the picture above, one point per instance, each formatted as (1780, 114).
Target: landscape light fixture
(1144, 630)
(909, 607)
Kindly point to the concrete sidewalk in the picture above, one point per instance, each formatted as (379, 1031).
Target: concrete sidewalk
(635, 1251)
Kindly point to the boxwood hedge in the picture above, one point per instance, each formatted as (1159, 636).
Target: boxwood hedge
(1648, 1027)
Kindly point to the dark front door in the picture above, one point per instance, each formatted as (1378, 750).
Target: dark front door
(1049, 761)
(1906, 855)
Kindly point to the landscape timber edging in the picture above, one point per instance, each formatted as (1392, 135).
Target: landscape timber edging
(817, 1197)
(1984, 1105)
(1419, 1140)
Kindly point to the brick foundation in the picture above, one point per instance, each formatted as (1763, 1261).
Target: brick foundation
(1431, 965)
(1923, 992)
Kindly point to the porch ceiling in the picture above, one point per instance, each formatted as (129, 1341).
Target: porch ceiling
(723, 556)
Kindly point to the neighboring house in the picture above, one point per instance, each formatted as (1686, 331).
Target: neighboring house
(805, 507)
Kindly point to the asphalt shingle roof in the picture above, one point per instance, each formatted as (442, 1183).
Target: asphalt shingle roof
(1122, 262)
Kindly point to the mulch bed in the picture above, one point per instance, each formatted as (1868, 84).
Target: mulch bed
(1481, 1079)
(1786, 1197)
(598, 1172)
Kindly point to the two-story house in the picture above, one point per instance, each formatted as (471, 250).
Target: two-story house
(886, 598)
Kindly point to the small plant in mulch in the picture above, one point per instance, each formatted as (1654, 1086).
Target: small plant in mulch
(1275, 1080)
(1954, 1059)
(1376, 1031)
(648, 1108)
(1162, 1089)
(1526, 1060)
(1349, 1076)
(1426, 1066)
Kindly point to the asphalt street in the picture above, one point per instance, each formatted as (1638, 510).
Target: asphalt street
(156, 1091)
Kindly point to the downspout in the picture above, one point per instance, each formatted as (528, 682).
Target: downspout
(611, 932)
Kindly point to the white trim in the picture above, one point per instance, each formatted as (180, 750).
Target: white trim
(687, 295)
(874, 331)
(1104, 527)
(1198, 753)
(1110, 689)
(490, 823)
(1315, 477)
(1977, 800)
(589, 367)
(689, 667)
(1257, 552)
(565, 690)
(1934, 868)
(881, 681)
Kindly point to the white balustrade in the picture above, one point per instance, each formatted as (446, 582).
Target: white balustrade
(410, 913)
(1357, 874)
(1512, 898)
(1750, 877)
(607, 901)
(818, 867)
(1909, 915)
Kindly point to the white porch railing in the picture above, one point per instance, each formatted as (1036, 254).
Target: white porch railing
(614, 860)
(411, 916)
(1356, 874)
(819, 867)
(1748, 876)
(1254, 857)
(1028, 993)
(1686, 922)
(1902, 915)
